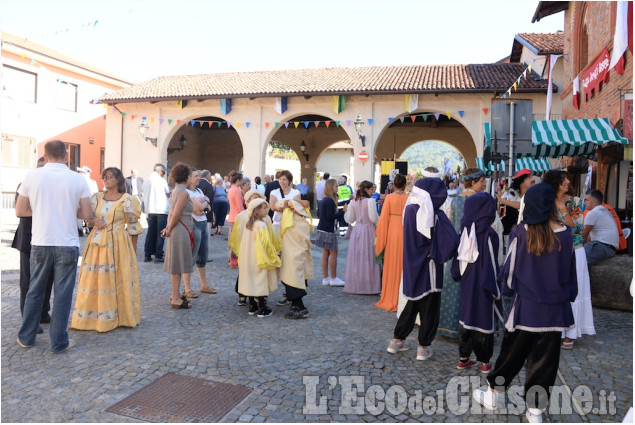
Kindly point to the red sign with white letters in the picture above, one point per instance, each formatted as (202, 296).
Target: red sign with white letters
(596, 73)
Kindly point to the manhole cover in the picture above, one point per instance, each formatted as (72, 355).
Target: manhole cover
(177, 398)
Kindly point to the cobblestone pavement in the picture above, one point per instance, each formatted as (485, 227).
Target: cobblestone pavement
(299, 370)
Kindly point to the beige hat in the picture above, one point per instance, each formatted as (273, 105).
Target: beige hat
(255, 204)
(251, 193)
(298, 207)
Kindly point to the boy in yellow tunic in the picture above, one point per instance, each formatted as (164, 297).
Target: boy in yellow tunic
(237, 233)
(258, 259)
(297, 264)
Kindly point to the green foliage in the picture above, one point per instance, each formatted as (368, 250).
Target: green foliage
(431, 154)
(282, 151)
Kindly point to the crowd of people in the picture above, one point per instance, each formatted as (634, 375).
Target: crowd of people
(444, 254)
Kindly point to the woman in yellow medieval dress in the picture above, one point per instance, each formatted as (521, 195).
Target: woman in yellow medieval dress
(108, 294)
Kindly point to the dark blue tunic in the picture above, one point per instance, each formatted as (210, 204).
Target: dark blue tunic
(543, 286)
(423, 258)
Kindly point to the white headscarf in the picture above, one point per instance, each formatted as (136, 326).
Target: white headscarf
(425, 215)
(468, 249)
(429, 174)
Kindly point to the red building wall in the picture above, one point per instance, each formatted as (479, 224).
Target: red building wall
(90, 153)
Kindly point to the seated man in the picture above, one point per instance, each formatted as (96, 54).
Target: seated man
(601, 237)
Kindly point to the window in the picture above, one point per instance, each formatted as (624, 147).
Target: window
(102, 160)
(73, 156)
(582, 38)
(18, 152)
(66, 96)
(19, 84)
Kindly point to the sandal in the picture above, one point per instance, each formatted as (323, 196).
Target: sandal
(183, 306)
(208, 290)
(567, 345)
(190, 294)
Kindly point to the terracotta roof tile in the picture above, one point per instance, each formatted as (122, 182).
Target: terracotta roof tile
(333, 81)
(545, 43)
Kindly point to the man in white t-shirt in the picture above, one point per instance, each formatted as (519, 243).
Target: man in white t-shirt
(600, 232)
(156, 205)
(55, 197)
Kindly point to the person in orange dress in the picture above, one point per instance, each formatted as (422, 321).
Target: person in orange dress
(389, 242)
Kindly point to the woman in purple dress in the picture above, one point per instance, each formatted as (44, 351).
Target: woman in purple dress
(362, 274)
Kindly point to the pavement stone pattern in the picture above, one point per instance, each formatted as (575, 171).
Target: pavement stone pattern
(345, 337)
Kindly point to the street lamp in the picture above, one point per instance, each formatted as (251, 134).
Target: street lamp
(143, 129)
(303, 148)
(182, 143)
(359, 126)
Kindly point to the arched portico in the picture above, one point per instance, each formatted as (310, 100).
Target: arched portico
(396, 137)
(207, 144)
(316, 135)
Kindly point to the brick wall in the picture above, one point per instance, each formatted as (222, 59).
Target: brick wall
(600, 23)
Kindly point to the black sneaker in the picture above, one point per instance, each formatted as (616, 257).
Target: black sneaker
(253, 309)
(304, 313)
(242, 301)
(147, 259)
(283, 301)
(45, 319)
(158, 260)
(265, 312)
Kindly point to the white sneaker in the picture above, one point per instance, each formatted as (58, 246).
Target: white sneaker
(534, 416)
(326, 281)
(395, 347)
(487, 399)
(336, 281)
(424, 353)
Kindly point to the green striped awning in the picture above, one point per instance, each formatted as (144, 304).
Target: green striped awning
(572, 137)
(491, 167)
(488, 134)
(538, 165)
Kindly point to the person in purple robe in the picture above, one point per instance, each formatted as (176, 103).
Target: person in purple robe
(429, 241)
(540, 274)
(476, 267)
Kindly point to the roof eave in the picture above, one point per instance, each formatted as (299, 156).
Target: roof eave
(547, 8)
(351, 93)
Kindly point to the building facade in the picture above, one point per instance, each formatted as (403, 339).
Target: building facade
(45, 96)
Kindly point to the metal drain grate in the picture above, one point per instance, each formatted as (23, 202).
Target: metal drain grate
(178, 398)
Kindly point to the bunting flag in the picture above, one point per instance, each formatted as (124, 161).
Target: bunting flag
(178, 122)
(286, 124)
(317, 124)
(370, 121)
(219, 123)
(552, 62)
(337, 123)
(225, 106)
(449, 115)
(151, 120)
(401, 119)
(515, 85)
(461, 113)
(390, 119)
(123, 114)
(237, 125)
(338, 103)
(413, 117)
(411, 102)
(280, 105)
(306, 124)
(576, 92)
(327, 123)
(425, 117)
(192, 123)
(620, 39)
(247, 124)
(267, 124)
(161, 120)
(169, 121)
(132, 117)
(348, 123)
(297, 123)
(436, 116)
(229, 125)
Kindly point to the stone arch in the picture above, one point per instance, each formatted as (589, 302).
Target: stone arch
(396, 137)
(218, 149)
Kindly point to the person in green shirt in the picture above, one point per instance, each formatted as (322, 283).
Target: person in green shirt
(344, 194)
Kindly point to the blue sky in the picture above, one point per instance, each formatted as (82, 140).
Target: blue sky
(140, 40)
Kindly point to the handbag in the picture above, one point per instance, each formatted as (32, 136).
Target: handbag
(189, 233)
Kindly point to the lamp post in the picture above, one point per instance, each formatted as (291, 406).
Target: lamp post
(303, 149)
(143, 129)
(359, 126)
